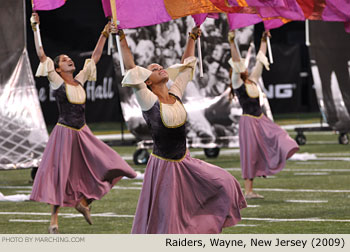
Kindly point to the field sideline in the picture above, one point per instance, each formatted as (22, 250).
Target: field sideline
(311, 196)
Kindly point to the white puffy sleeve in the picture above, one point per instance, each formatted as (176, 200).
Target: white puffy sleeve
(181, 74)
(136, 78)
(87, 73)
(238, 67)
(47, 68)
(261, 60)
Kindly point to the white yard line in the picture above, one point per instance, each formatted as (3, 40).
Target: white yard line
(293, 126)
(322, 142)
(264, 189)
(15, 187)
(245, 225)
(333, 158)
(295, 220)
(306, 201)
(69, 215)
(311, 173)
(132, 216)
(308, 163)
(20, 220)
(300, 190)
(258, 189)
(332, 154)
(138, 183)
(319, 170)
(302, 169)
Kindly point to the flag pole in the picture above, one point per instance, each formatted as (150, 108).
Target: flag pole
(109, 42)
(237, 47)
(269, 49)
(307, 33)
(199, 49)
(109, 45)
(114, 14)
(37, 28)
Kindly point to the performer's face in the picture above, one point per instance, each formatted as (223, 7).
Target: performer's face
(65, 64)
(158, 74)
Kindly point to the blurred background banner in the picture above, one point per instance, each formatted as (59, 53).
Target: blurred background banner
(23, 133)
(330, 64)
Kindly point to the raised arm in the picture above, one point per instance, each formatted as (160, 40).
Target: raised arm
(39, 49)
(191, 45)
(136, 76)
(128, 59)
(236, 62)
(261, 59)
(234, 52)
(263, 44)
(97, 53)
(186, 74)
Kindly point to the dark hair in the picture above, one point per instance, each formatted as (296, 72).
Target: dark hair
(56, 61)
(244, 76)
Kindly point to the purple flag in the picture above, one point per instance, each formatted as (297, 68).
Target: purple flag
(47, 4)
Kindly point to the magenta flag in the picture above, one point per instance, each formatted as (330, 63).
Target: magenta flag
(200, 18)
(291, 10)
(337, 11)
(47, 4)
(240, 20)
(137, 13)
(273, 23)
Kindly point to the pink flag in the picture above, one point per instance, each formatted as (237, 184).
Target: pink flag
(291, 10)
(274, 23)
(239, 20)
(200, 18)
(137, 13)
(47, 4)
(337, 11)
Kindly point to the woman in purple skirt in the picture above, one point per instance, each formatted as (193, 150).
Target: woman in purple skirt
(264, 146)
(180, 194)
(76, 167)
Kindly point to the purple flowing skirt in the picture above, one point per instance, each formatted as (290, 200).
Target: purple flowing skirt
(77, 165)
(188, 196)
(264, 146)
